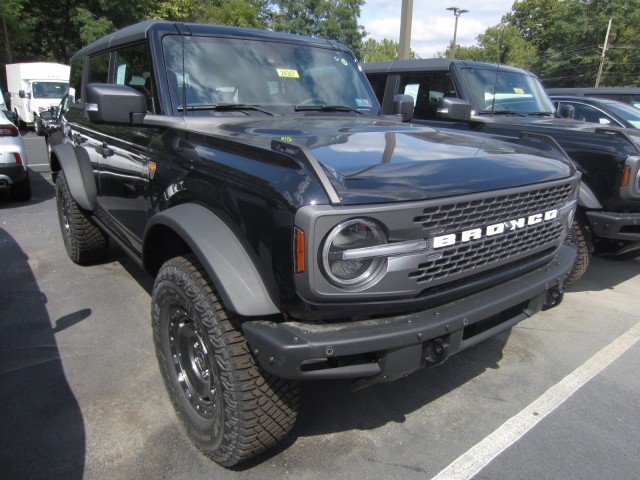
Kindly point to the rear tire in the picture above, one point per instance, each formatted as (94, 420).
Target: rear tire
(36, 126)
(231, 409)
(84, 241)
(579, 237)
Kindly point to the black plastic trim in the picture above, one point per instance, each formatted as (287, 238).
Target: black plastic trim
(76, 165)
(611, 224)
(13, 172)
(281, 348)
(227, 263)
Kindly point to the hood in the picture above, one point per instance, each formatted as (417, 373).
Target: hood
(371, 160)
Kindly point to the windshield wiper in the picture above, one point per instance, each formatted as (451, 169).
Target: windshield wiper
(326, 108)
(501, 112)
(226, 106)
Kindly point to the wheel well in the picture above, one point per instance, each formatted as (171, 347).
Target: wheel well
(162, 244)
(54, 163)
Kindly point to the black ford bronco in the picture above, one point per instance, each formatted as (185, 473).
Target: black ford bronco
(293, 231)
(497, 99)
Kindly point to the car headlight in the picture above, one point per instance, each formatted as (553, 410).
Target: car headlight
(349, 257)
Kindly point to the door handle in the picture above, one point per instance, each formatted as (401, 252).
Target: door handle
(77, 138)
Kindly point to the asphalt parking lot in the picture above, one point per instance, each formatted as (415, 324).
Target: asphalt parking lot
(81, 396)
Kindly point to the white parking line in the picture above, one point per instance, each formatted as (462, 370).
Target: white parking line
(479, 456)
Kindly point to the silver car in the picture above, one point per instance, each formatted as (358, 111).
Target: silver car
(14, 174)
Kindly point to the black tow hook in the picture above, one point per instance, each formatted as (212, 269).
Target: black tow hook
(435, 352)
(554, 297)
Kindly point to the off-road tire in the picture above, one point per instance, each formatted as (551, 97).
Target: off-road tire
(21, 191)
(580, 237)
(231, 409)
(84, 241)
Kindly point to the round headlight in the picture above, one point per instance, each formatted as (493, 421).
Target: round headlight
(345, 256)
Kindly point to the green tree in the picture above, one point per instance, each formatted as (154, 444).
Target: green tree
(385, 49)
(501, 43)
(238, 13)
(9, 14)
(331, 19)
(567, 36)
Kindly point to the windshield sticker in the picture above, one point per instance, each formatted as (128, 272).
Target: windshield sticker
(363, 102)
(518, 91)
(287, 73)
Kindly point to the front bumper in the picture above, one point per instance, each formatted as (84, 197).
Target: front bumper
(616, 226)
(388, 348)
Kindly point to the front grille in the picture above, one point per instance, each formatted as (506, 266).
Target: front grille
(483, 253)
(486, 251)
(465, 215)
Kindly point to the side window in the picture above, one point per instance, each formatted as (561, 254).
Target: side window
(99, 68)
(378, 83)
(75, 80)
(132, 68)
(426, 89)
(589, 114)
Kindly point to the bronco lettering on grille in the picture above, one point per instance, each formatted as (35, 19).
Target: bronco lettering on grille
(495, 229)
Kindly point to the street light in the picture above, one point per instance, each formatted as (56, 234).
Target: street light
(456, 12)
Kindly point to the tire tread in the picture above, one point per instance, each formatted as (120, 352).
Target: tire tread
(260, 409)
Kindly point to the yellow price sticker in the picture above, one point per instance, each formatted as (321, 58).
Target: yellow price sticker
(283, 72)
(518, 91)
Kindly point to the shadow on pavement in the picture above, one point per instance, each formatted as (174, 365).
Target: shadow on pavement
(42, 427)
(606, 273)
(329, 406)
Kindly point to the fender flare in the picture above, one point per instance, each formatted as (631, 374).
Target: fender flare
(223, 257)
(76, 165)
(587, 198)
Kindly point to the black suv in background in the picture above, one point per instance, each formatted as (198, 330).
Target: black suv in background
(603, 111)
(294, 232)
(507, 101)
(630, 95)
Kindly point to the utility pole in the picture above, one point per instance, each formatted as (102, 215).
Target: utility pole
(456, 13)
(604, 53)
(404, 49)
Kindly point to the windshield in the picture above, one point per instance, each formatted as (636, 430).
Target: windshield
(49, 89)
(506, 91)
(277, 77)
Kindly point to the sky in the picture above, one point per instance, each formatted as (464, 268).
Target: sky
(432, 26)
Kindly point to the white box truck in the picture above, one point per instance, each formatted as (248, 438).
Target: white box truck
(36, 87)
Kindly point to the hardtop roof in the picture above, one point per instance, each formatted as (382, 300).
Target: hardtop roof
(434, 64)
(139, 31)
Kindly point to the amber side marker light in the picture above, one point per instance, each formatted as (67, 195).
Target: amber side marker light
(298, 246)
(626, 173)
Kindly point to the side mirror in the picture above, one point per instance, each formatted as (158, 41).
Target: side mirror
(403, 105)
(110, 103)
(22, 94)
(455, 109)
(566, 111)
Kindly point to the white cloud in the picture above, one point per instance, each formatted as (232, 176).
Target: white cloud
(432, 26)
